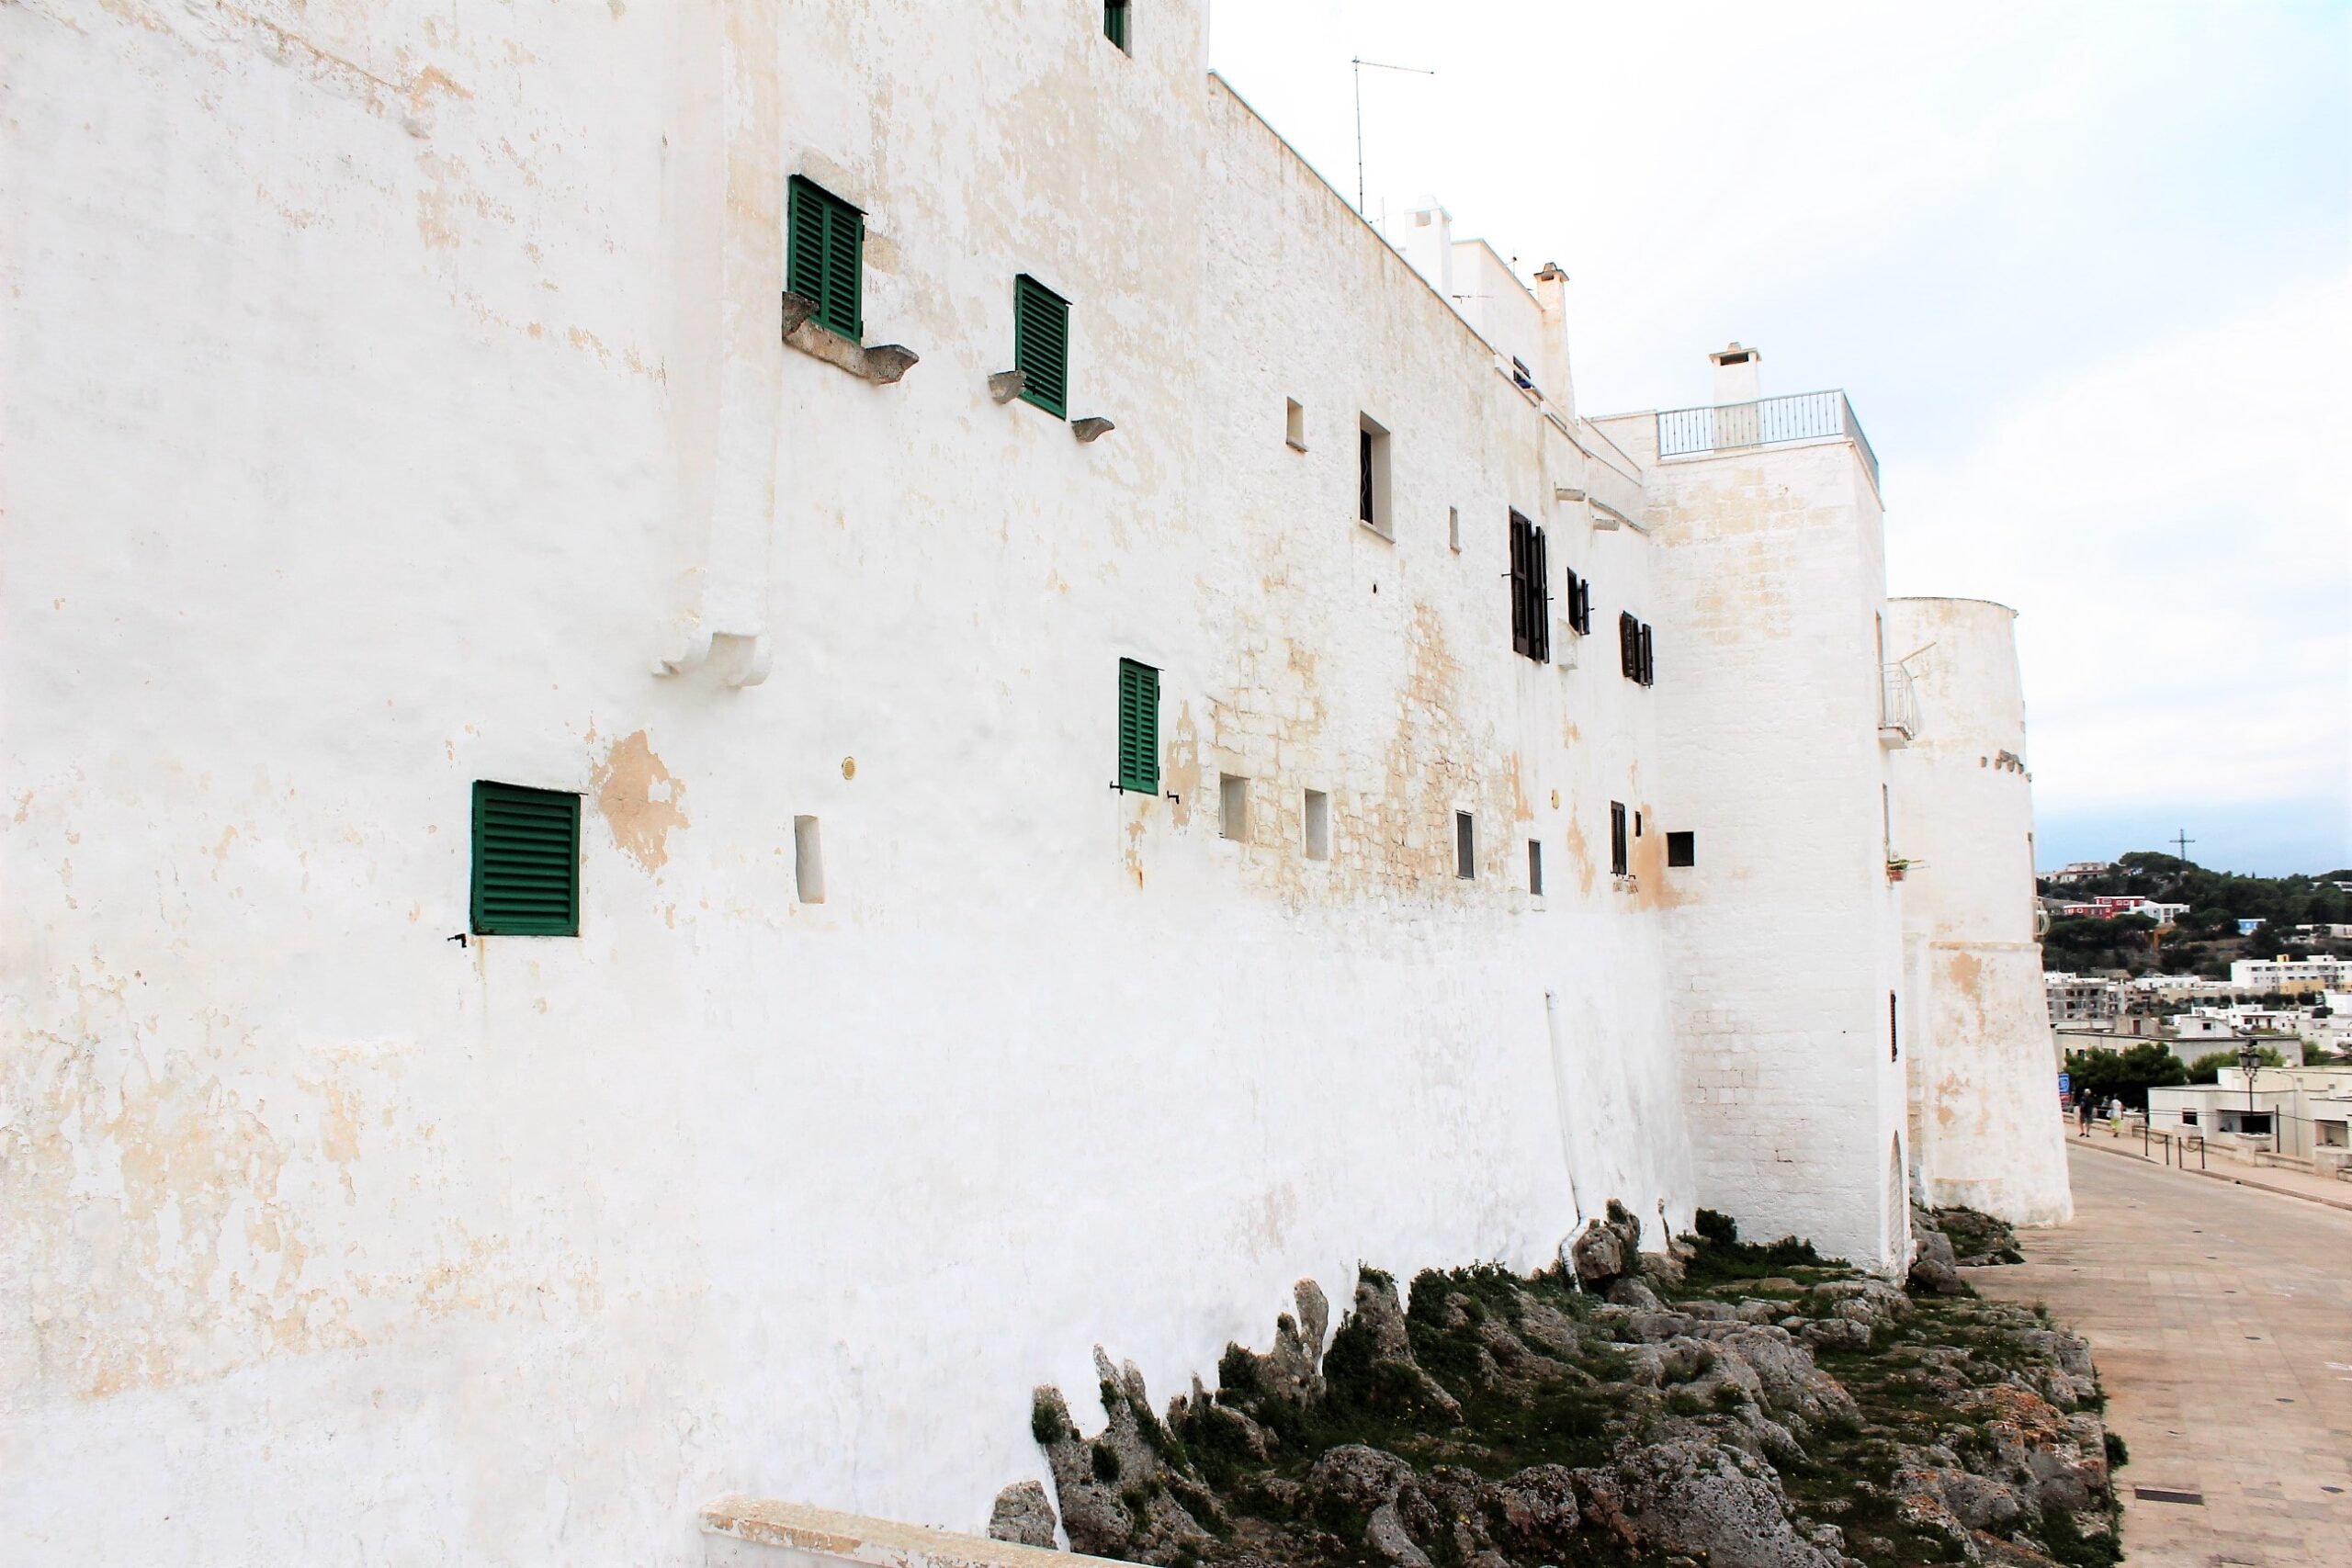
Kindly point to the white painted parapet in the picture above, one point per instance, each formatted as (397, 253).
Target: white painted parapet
(1985, 1127)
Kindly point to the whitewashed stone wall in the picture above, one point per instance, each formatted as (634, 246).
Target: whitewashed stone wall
(1782, 939)
(1984, 1116)
(391, 390)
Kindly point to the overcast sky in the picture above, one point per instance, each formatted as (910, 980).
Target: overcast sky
(2085, 270)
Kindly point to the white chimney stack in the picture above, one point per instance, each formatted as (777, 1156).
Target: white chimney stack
(1428, 243)
(1737, 379)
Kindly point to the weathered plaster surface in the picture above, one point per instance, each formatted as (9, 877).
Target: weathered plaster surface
(392, 389)
(1984, 1091)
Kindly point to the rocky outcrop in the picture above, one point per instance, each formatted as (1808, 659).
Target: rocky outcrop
(1978, 1238)
(1700, 1500)
(1599, 1416)
(1607, 1250)
(1023, 1515)
(1934, 1267)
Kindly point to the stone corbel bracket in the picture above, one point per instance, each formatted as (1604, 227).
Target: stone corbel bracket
(738, 659)
(1006, 385)
(882, 365)
(1091, 428)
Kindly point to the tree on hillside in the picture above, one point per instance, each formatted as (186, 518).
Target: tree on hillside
(2125, 1076)
(2082, 941)
(2208, 1067)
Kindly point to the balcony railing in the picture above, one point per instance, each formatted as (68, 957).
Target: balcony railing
(1898, 706)
(1767, 421)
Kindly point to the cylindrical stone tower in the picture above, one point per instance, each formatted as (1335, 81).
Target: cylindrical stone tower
(1986, 1130)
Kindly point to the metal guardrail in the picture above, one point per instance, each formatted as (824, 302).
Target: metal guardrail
(1767, 421)
(1898, 707)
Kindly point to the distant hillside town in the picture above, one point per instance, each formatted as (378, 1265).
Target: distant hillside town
(2192, 986)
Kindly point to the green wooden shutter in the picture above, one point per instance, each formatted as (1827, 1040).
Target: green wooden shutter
(1138, 727)
(1041, 344)
(1114, 21)
(527, 860)
(827, 258)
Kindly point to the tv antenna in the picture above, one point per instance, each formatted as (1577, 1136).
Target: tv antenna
(2182, 841)
(1357, 66)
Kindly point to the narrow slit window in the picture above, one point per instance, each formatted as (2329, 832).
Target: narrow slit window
(1466, 846)
(1114, 21)
(1318, 825)
(1893, 1030)
(808, 861)
(1295, 423)
(1041, 344)
(1138, 727)
(1621, 846)
(1372, 476)
(525, 861)
(1535, 867)
(1232, 806)
(1453, 529)
(826, 259)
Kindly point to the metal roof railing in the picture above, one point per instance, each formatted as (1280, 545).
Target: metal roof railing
(1767, 421)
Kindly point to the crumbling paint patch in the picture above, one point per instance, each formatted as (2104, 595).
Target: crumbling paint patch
(641, 801)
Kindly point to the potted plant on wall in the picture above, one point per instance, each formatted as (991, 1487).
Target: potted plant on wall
(1895, 867)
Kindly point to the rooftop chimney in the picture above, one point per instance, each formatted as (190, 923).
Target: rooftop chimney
(1736, 377)
(1428, 243)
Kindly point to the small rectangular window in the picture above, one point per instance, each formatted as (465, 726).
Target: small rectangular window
(1893, 1030)
(1372, 476)
(1138, 727)
(1682, 849)
(808, 861)
(1466, 846)
(1318, 825)
(1232, 806)
(1453, 529)
(826, 257)
(1535, 867)
(1531, 592)
(1580, 604)
(1041, 344)
(1633, 651)
(527, 860)
(1620, 846)
(1294, 424)
(1114, 21)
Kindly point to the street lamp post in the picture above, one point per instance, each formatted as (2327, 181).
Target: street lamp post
(2249, 1057)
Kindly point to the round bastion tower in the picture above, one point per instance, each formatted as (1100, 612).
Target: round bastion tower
(1986, 1130)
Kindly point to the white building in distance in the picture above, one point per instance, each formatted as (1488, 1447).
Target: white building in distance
(2263, 976)
(731, 723)
(2079, 998)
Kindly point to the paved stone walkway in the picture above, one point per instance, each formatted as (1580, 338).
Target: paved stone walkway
(2221, 1320)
